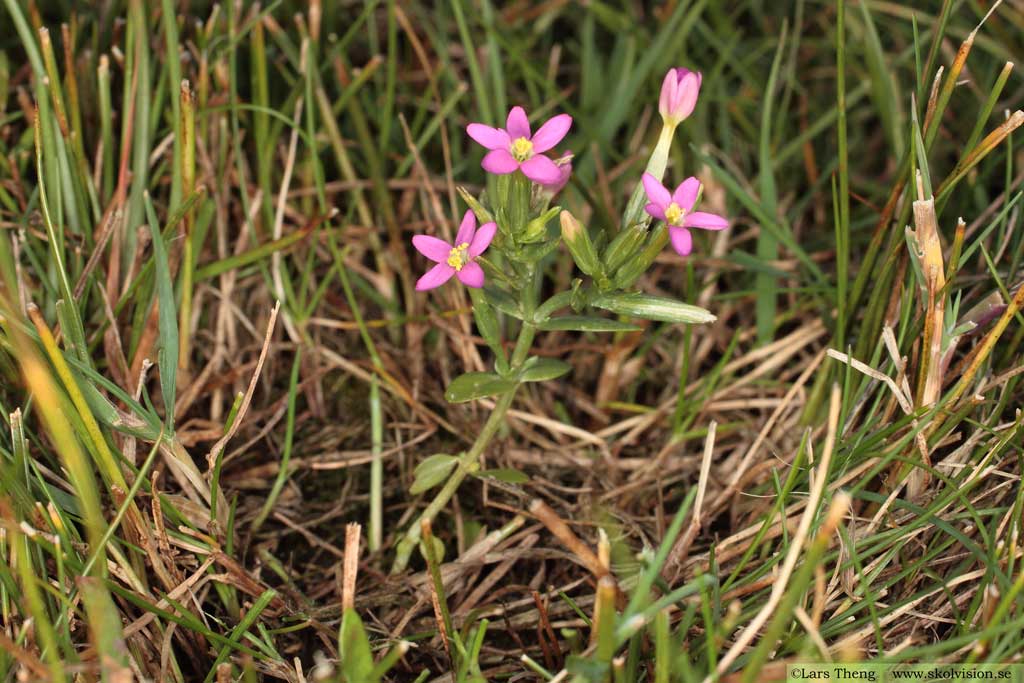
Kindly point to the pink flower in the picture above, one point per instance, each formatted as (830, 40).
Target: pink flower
(679, 93)
(676, 209)
(458, 259)
(514, 148)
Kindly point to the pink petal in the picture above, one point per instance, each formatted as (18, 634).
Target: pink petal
(705, 221)
(686, 194)
(656, 211)
(686, 94)
(564, 170)
(482, 239)
(491, 138)
(499, 161)
(541, 170)
(466, 229)
(669, 85)
(656, 191)
(551, 133)
(682, 240)
(435, 277)
(431, 247)
(517, 125)
(471, 275)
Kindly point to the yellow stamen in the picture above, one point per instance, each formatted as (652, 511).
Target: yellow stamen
(674, 214)
(522, 149)
(457, 256)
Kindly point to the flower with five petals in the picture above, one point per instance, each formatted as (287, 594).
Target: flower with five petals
(457, 259)
(676, 209)
(515, 148)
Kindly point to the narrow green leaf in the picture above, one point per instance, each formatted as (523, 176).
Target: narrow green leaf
(509, 476)
(474, 385)
(584, 323)
(651, 307)
(542, 369)
(766, 286)
(167, 320)
(486, 321)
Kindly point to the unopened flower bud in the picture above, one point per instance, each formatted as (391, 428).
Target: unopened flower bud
(679, 93)
(582, 249)
(637, 266)
(537, 229)
(624, 246)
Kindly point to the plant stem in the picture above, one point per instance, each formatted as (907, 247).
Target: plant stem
(376, 468)
(469, 461)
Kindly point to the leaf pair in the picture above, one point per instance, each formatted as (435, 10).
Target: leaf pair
(474, 385)
(435, 470)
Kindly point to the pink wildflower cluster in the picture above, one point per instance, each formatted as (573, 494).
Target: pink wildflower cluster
(517, 148)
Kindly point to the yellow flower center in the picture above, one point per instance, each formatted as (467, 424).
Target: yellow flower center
(457, 256)
(522, 149)
(674, 214)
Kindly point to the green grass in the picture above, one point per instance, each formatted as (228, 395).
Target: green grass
(179, 458)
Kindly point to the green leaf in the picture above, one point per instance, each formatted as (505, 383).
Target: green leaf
(503, 301)
(650, 307)
(509, 476)
(474, 385)
(585, 323)
(486, 321)
(438, 549)
(167, 357)
(74, 333)
(560, 300)
(542, 369)
(432, 472)
(356, 655)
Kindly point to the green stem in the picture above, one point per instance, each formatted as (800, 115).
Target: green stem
(656, 167)
(469, 462)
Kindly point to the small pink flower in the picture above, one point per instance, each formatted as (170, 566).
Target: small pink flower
(679, 93)
(514, 148)
(676, 209)
(457, 259)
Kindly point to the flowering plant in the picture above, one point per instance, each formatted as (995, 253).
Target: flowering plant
(500, 263)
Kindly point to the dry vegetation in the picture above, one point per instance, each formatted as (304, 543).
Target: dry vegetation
(829, 470)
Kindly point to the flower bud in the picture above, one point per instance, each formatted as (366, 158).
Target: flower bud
(582, 249)
(679, 93)
(638, 265)
(537, 229)
(624, 246)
